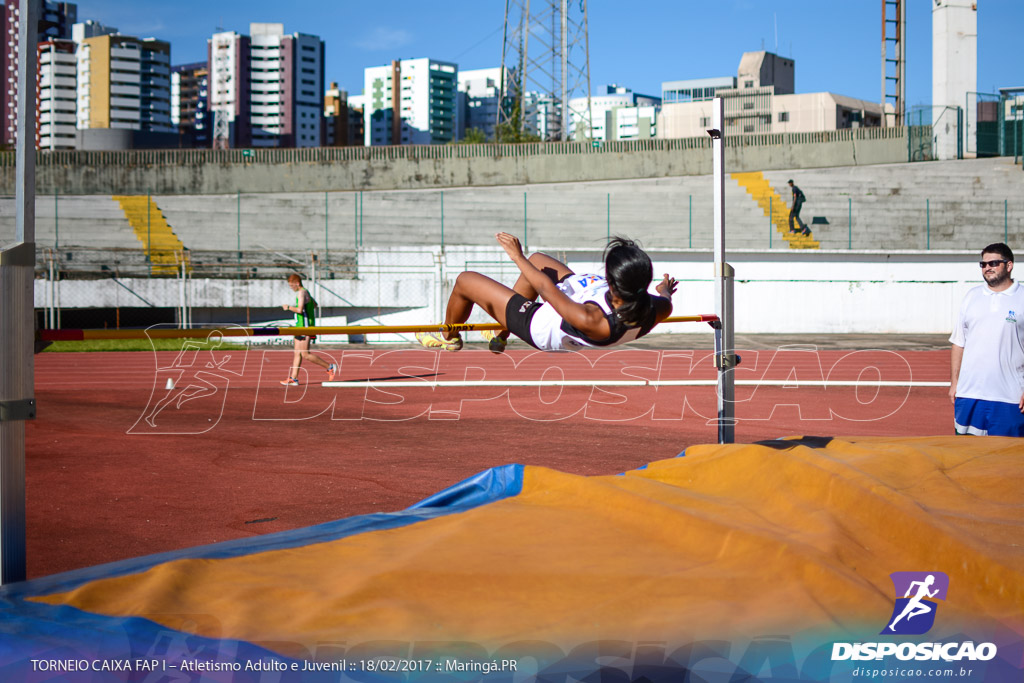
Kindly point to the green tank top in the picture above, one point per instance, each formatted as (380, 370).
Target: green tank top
(306, 317)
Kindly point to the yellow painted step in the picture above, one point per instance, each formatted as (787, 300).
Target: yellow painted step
(162, 246)
(774, 207)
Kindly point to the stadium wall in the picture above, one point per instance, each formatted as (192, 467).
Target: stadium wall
(192, 172)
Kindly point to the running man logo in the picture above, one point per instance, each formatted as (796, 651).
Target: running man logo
(914, 613)
(193, 400)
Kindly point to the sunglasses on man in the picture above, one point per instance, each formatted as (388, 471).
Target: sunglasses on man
(992, 264)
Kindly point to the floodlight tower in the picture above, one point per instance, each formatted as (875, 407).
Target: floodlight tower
(546, 51)
(894, 60)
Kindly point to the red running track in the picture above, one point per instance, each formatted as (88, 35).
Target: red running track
(230, 453)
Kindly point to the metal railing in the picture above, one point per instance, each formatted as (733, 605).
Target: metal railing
(322, 155)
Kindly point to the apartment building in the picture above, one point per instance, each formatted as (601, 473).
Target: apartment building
(410, 102)
(763, 100)
(124, 83)
(479, 92)
(616, 113)
(56, 94)
(695, 89)
(266, 88)
(228, 56)
(55, 22)
(189, 104)
(343, 119)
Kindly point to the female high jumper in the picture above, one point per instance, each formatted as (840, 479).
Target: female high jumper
(577, 311)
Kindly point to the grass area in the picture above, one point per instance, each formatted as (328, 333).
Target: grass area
(128, 345)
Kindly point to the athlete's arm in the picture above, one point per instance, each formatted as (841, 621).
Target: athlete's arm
(956, 357)
(587, 318)
(663, 304)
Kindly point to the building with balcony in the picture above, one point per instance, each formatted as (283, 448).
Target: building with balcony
(410, 102)
(124, 83)
(55, 22)
(266, 88)
(190, 102)
(343, 119)
(616, 113)
(55, 94)
(478, 96)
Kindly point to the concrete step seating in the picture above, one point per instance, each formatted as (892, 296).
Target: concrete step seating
(775, 208)
(935, 205)
(928, 205)
(164, 249)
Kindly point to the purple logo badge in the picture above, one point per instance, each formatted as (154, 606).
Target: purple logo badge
(916, 595)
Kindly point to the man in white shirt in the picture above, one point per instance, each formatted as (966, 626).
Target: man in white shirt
(987, 381)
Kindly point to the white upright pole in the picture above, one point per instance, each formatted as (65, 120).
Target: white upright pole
(17, 327)
(182, 312)
(725, 351)
(565, 67)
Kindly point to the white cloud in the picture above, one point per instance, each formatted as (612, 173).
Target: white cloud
(384, 38)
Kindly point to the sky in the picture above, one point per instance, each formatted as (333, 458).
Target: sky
(836, 45)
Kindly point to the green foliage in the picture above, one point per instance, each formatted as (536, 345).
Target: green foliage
(510, 132)
(474, 136)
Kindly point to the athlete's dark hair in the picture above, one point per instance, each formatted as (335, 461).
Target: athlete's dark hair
(999, 248)
(629, 272)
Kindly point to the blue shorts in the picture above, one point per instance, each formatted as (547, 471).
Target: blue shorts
(987, 418)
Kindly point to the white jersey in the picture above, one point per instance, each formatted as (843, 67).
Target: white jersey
(551, 333)
(990, 329)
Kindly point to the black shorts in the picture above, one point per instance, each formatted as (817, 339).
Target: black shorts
(519, 311)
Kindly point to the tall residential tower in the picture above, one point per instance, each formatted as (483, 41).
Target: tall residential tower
(266, 89)
(410, 102)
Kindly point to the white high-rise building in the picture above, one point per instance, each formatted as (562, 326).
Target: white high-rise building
(266, 88)
(410, 102)
(56, 95)
(479, 90)
(616, 113)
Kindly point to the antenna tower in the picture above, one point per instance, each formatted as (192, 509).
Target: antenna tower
(546, 54)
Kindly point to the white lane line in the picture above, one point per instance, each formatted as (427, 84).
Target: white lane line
(795, 384)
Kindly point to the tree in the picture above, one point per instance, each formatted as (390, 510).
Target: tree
(473, 136)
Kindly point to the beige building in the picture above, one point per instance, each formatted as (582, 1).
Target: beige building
(764, 101)
(124, 82)
(798, 113)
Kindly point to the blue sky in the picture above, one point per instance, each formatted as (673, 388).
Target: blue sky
(836, 45)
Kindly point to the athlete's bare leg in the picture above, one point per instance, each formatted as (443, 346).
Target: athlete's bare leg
(552, 267)
(302, 352)
(476, 289)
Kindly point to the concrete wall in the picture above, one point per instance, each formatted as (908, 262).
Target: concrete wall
(191, 172)
(812, 293)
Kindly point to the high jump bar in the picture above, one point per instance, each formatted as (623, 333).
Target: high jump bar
(202, 333)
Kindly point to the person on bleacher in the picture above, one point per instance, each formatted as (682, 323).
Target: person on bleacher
(794, 212)
(987, 380)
